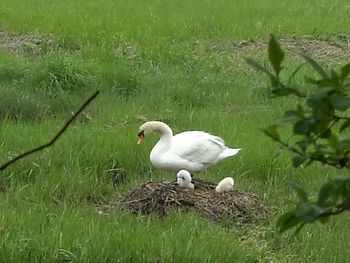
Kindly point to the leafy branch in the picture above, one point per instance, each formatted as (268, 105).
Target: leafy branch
(319, 123)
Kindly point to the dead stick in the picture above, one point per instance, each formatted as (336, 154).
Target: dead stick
(4, 166)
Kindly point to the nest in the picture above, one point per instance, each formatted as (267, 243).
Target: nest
(234, 207)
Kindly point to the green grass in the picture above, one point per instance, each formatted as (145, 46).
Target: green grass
(153, 20)
(165, 60)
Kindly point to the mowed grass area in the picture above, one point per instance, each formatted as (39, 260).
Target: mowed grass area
(167, 60)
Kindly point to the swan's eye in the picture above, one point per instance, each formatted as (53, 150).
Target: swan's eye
(140, 137)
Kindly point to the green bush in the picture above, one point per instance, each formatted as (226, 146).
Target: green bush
(320, 125)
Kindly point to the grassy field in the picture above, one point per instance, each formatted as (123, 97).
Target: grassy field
(177, 61)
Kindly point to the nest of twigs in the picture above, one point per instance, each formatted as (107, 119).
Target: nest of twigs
(234, 207)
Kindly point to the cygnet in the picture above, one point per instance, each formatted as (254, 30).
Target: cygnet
(184, 179)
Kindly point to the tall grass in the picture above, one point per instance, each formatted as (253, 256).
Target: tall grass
(165, 60)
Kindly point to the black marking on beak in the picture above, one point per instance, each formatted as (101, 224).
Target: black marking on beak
(141, 133)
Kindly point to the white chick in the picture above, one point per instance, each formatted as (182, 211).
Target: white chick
(184, 179)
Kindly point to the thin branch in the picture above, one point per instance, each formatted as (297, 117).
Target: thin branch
(295, 72)
(333, 213)
(318, 136)
(54, 139)
(340, 117)
(338, 210)
(295, 150)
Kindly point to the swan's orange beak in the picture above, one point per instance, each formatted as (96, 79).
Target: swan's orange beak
(140, 138)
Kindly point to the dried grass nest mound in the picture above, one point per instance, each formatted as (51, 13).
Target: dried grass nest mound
(234, 207)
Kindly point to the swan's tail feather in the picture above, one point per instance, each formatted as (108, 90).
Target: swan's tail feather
(229, 152)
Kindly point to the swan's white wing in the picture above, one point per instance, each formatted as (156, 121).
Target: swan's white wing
(197, 147)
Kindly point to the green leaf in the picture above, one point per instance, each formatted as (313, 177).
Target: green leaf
(275, 82)
(339, 101)
(334, 77)
(299, 190)
(283, 91)
(342, 179)
(302, 145)
(324, 193)
(325, 91)
(314, 101)
(326, 133)
(323, 219)
(271, 131)
(259, 67)
(308, 212)
(333, 141)
(345, 71)
(276, 55)
(296, 232)
(321, 128)
(298, 160)
(292, 116)
(295, 72)
(287, 221)
(302, 127)
(311, 81)
(334, 84)
(319, 106)
(315, 65)
(345, 125)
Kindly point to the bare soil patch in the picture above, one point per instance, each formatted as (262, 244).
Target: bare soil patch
(29, 43)
(335, 48)
(232, 208)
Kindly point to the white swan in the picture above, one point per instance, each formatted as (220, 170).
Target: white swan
(191, 150)
(184, 179)
(225, 185)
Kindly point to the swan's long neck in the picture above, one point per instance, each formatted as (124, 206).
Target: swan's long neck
(164, 142)
(165, 132)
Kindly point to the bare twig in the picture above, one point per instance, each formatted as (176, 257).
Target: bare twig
(295, 150)
(336, 210)
(54, 139)
(333, 122)
(333, 213)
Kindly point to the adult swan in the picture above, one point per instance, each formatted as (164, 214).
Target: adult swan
(190, 150)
